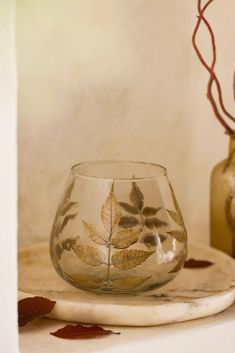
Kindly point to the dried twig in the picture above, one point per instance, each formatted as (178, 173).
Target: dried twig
(210, 68)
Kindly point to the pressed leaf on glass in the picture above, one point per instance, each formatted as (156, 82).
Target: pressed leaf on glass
(129, 208)
(154, 223)
(127, 259)
(129, 282)
(89, 255)
(179, 235)
(32, 308)
(128, 221)
(136, 196)
(68, 207)
(66, 219)
(86, 281)
(68, 191)
(152, 240)
(68, 243)
(111, 212)
(95, 233)
(176, 217)
(150, 211)
(124, 238)
(82, 332)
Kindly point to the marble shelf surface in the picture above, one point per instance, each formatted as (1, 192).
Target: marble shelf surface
(193, 294)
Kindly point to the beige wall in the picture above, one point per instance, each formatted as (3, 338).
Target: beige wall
(115, 80)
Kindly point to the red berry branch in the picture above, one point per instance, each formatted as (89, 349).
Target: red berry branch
(218, 108)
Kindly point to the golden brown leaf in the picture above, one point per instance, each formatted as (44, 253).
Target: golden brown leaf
(150, 211)
(86, 281)
(95, 233)
(179, 235)
(129, 282)
(124, 238)
(154, 223)
(82, 332)
(136, 196)
(66, 220)
(68, 243)
(89, 255)
(128, 221)
(127, 259)
(30, 309)
(111, 212)
(151, 240)
(176, 217)
(129, 208)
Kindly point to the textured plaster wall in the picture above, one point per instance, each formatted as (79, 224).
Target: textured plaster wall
(115, 80)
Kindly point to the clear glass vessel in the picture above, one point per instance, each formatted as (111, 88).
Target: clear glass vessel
(118, 228)
(222, 210)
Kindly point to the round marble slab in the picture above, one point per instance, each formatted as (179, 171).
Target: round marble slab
(194, 293)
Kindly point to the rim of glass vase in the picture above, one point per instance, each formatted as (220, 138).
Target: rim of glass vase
(160, 170)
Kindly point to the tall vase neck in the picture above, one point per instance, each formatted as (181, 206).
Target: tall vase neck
(232, 146)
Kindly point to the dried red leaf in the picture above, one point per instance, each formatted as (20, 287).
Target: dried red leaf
(82, 332)
(30, 309)
(192, 263)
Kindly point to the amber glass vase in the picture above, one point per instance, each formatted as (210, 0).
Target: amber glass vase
(223, 203)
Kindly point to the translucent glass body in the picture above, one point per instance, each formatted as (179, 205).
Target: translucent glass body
(118, 228)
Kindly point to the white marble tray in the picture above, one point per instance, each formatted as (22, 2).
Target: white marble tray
(194, 293)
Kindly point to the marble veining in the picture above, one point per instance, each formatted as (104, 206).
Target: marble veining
(194, 293)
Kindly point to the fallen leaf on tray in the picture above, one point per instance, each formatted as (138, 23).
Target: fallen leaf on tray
(192, 263)
(30, 309)
(82, 332)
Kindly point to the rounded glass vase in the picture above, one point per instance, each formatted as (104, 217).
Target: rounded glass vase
(118, 228)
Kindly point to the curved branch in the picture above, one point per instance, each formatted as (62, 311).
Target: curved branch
(210, 69)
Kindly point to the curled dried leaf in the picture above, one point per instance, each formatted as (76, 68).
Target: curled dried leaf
(136, 196)
(82, 332)
(111, 212)
(30, 309)
(129, 208)
(95, 233)
(129, 282)
(89, 255)
(179, 235)
(154, 223)
(127, 259)
(150, 211)
(192, 263)
(86, 281)
(128, 222)
(124, 238)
